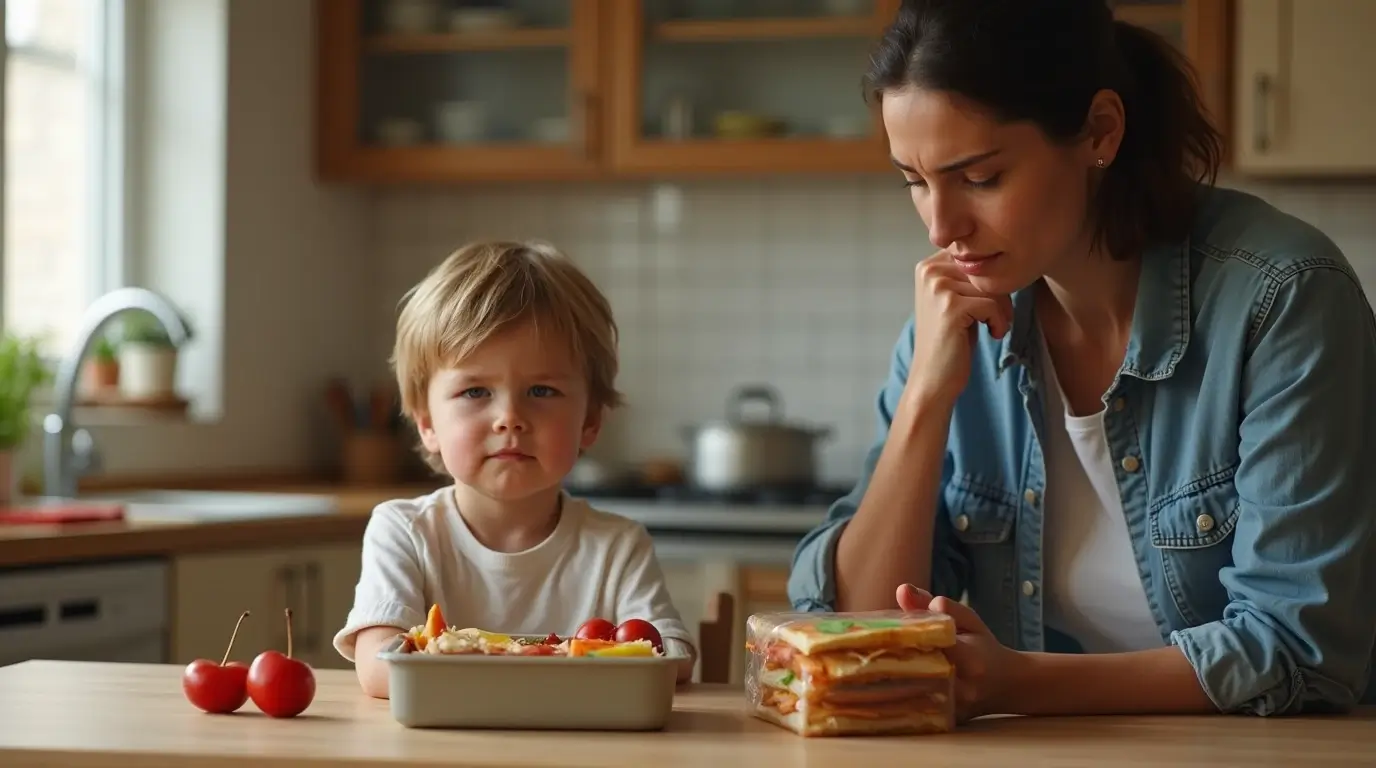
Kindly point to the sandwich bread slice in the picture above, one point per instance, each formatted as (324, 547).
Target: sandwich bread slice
(851, 674)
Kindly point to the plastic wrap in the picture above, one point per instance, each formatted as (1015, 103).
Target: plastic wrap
(850, 674)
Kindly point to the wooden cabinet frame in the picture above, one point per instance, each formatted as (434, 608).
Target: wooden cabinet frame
(341, 154)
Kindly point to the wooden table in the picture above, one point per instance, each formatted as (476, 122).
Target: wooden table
(92, 714)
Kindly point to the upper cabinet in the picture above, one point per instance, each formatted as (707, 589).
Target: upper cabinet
(428, 90)
(711, 86)
(487, 90)
(1305, 102)
(1199, 29)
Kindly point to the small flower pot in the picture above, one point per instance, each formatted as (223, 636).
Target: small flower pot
(147, 371)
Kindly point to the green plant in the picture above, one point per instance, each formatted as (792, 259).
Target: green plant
(104, 349)
(22, 370)
(139, 327)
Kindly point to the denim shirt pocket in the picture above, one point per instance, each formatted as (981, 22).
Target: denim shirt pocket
(1193, 530)
(981, 519)
(979, 514)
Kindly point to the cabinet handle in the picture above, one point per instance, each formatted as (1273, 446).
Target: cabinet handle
(315, 600)
(1263, 91)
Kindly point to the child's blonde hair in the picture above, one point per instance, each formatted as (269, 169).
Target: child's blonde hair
(486, 286)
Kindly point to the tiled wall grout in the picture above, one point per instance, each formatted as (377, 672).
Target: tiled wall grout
(799, 283)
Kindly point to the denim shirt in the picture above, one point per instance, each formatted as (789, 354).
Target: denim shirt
(1239, 424)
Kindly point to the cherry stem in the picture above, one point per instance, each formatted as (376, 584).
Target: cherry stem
(288, 611)
(233, 635)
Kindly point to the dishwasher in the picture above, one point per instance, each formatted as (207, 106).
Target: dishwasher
(113, 611)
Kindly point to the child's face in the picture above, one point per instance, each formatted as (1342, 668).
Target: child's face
(509, 421)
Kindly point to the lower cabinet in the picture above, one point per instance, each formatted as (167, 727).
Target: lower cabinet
(210, 591)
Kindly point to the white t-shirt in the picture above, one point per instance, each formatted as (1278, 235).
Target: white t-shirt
(419, 552)
(1093, 592)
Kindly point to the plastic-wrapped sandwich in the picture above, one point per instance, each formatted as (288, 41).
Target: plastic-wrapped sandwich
(837, 674)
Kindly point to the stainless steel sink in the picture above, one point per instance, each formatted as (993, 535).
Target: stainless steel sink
(216, 505)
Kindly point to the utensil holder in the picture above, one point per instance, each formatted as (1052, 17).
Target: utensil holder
(371, 458)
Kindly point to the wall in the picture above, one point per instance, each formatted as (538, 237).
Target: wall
(800, 283)
(270, 265)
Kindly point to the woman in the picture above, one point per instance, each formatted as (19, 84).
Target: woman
(1129, 414)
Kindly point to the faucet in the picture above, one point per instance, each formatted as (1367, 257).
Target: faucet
(62, 445)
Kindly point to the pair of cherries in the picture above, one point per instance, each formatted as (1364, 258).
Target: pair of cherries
(279, 685)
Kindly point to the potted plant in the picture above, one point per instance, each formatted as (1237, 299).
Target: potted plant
(147, 359)
(100, 372)
(21, 372)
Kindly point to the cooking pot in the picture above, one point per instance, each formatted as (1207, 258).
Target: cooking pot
(739, 455)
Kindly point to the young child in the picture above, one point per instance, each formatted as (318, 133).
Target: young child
(506, 359)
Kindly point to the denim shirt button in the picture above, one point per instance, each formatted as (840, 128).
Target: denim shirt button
(1119, 404)
(1131, 464)
(1029, 589)
(962, 523)
(1204, 523)
(1030, 496)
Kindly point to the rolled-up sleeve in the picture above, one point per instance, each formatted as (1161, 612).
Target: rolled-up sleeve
(1297, 635)
(812, 579)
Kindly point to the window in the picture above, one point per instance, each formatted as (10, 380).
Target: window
(63, 108)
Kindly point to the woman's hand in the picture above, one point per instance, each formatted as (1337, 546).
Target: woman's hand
(986, 670)
(946, 311)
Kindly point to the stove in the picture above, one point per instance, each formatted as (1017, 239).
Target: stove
(763, 496)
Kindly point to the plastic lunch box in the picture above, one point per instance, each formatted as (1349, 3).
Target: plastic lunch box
(529, 692)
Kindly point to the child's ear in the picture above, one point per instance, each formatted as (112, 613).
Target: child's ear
(426, 427)
(592, 427)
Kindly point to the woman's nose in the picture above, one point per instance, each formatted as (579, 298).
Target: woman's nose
(947, 221)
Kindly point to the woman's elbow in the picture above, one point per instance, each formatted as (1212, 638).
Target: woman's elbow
(373, 677)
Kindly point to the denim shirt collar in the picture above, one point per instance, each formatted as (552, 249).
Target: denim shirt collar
(1160, 320)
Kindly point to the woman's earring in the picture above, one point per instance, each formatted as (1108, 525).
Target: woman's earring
(1100, 163)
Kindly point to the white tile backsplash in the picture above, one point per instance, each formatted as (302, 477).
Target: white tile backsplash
(801, 283)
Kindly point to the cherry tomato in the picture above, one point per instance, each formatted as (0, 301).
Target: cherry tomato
(596, 629)
(552, 639)
(639, 629)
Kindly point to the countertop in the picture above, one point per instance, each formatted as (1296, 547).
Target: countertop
(94, 714)
(761, 535)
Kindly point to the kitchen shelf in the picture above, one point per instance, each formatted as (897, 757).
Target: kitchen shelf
(1150, 15)
(731, 30)
(784, 154)
(470, 41)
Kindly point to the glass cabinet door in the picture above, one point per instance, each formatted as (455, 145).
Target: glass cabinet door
(752, 85)
(438, 89)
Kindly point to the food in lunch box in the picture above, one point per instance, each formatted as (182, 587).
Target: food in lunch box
(217, 688)
(835, 674)
(437, 638)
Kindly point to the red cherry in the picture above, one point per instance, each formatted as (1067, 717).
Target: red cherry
(631, 630)
(596, 629)
(279, 685)
(217, 688)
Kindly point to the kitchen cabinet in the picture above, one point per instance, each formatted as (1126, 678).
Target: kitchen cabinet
(526, 90)
(735, 87)
(210, 591)
(1201, 30)
(1304, 101)
(414, 90)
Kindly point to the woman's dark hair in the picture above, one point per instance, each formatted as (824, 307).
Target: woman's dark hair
(1042, 61)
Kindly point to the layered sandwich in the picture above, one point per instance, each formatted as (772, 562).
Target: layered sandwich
(838, 674)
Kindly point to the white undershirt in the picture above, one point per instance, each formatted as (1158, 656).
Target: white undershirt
(418, 552)
(1093, 592)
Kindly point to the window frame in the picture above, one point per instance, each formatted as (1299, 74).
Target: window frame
(108, 96)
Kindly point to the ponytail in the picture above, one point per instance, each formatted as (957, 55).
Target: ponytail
(1169, 146)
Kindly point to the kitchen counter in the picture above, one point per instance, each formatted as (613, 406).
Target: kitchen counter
(121, 715)
(762, 535)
